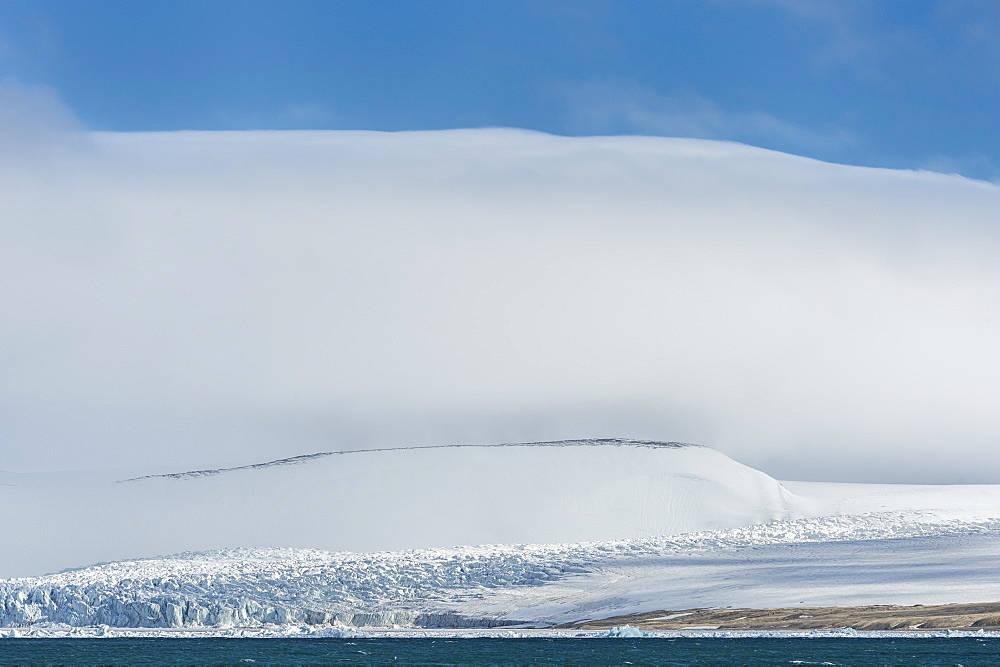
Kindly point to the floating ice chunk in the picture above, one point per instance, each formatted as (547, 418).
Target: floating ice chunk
(626, 631)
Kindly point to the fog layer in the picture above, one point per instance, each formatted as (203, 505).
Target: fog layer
(186, 300)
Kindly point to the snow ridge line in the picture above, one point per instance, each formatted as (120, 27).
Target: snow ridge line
(304, 458)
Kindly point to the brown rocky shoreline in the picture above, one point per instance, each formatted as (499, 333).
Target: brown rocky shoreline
(978, 616)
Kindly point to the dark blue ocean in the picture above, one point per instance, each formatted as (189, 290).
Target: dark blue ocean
(532, 651)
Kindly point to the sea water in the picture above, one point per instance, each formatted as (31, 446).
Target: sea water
(491, 651)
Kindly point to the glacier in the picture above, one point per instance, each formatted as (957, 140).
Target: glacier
(888, 558)
(554, 533)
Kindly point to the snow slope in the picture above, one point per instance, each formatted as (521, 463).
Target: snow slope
(946, 501)
(388, 499)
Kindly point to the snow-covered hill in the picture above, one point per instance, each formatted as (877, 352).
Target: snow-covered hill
(390, 499)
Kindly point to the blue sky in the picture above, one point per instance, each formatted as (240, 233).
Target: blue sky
(911, 84)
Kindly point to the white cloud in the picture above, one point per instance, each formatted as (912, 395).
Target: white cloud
(203, 298)
(980, 165)
(33, 120)
(614, 107)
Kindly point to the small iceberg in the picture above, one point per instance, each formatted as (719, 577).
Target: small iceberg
(626, 631)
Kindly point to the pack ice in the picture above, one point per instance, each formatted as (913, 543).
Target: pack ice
(580, 529)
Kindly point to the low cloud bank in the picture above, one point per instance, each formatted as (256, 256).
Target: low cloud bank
(196, 299)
